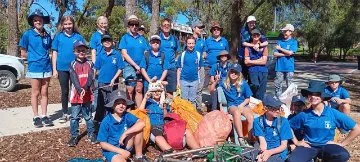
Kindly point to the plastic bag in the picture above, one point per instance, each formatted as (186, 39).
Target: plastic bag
(286, 98)
(187, 112)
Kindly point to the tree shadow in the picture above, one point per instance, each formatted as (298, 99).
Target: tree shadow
(20, 86)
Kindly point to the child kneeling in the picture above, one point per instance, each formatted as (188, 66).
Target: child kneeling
(120, 131)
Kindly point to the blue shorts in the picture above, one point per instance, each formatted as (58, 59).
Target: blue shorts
(109, 155)
(129, 73)
(38, 75)
(171, 79)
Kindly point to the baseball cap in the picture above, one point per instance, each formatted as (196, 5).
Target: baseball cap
(79, 43)
(236, 67)
(255, 31)
(155, 37)
(106, 36)
(272, 102)
(288, 27)
(198, 24)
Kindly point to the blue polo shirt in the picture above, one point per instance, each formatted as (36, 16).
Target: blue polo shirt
(200, 45)
(235, 97)
(37, 47)
(156, 65)
(245, 36)
(318, 130)
(221, 69)
(170, 46)
(286, 63)
(191, 64)
(254, 55)
(272, 135)
(155, 113)
(111, 130)
(108, 65)
(213, 49)
(135, 46)
(95, 41)
(340, 92)
(63, 44)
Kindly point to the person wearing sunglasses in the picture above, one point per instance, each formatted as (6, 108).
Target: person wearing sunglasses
(133, 46)
(141, 30)
(214, 44)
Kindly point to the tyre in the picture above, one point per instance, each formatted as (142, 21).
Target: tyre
(7, 80)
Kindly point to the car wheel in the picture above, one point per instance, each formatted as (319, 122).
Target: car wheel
(7, 80)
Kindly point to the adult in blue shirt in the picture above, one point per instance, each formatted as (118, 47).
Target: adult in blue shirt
(285, 62)
(133, 47)
(340, 96)
(272, 132)
(62, 56)
(255, 60)
(245, 35)
(170, 45)
(35, 44)
(188, 64)
(319, 123)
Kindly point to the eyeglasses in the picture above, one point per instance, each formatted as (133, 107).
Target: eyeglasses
(133, 24)
(81, 51)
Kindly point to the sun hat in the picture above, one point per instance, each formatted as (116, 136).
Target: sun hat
(115, 96)
(316, 86)
(46, 19)
(216, 25)
(250, 18)
(334, 78)
(288, 27)
(156, 86)
(223, 53)
(132, 18)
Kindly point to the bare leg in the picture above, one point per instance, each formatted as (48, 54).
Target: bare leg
(138, 93)
(130, 92)
(345, 108)
(35, 91)
(249, 117)
(44, 95)
(138, 143)
(190, 140)
(235, 112)
(161, 142)
(118, 158)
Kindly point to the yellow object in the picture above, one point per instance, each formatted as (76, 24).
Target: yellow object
(142, 115)
(257, 107)
(187, 112)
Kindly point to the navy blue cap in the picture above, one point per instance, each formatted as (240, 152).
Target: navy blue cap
(236, 67)
(79, 43)
(298, 99)
(46, 19)
(106, 36)
(270, 101)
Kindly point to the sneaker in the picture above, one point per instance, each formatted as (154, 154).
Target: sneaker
(141, 159)
(63, 119)
(243, 142)
(73, 142)
(37, 122)
(92, 139)
(47, 122)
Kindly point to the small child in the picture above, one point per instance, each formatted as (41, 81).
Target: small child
(272, 131)
(120, 131)
(81, 76)
(340, 96)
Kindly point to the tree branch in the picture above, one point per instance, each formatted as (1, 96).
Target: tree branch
(83, 13)
(109, 8)
(253, 10)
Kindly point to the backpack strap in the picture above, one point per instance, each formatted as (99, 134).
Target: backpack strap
(182, 59)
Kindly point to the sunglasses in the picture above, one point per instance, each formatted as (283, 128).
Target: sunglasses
(133, 24)
(155, 41)
(216, 29)
(256, 35)
(81, 51)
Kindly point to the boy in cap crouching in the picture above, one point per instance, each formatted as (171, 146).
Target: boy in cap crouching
(120, 131)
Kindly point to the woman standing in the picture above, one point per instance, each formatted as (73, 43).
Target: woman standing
(35, 44)
(62, 56)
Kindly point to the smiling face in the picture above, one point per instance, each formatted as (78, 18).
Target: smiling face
(287, 33)
(216, 32)
(166, 26)
(156, 95)
(38, 22)
(272, 112)
(314, 98)
(81, 52)
(68, 26)
(334, 85)
(155, 44)
(223, 58)
(133, 27)
(119, 106)
(234, 75)
(190, 44)
(255, 37)
(102, 24)
(251, 24)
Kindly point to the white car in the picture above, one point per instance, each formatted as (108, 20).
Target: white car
(12, 69)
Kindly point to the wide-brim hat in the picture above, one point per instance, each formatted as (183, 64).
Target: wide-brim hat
(115, 96)
(156, 86)
(133, 18)
(224, 53)
(216, 25)
(316, 86)
(334, 78)
(46, 19)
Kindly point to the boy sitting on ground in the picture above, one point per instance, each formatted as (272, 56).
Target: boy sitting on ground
(340, 97)
(272, 132)
(120, 131)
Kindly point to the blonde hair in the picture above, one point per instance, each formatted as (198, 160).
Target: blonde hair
(101, 18)
(60, 27)
(238, 82)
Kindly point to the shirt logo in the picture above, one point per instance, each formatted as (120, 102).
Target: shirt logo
(140, 41)
(172, 44)
(221, 44)
(327, 125)
(288, 46)
(113, 60)
(275, 132)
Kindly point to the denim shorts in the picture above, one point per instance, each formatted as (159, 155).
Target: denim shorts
(171, 79)
(38, 75)
(129, 73)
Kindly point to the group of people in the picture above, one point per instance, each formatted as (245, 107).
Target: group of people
(154, 69)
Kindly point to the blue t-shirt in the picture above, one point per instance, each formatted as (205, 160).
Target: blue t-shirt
(220, 69)
(63, 44)
(191, 63)
(254, 55)
(286, 63)
(156, 65)
(213, 49)
(318, 130)
(95, 42)
(245, 36)
(235, 97)
(170, 46)
(155, 113)
(37, 47)
(111, 130)
(135, 46)
(340, 92)
(108, 65)
(272, 135)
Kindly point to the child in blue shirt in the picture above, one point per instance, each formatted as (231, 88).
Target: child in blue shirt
(108, 66)
(121, 131)
(285, 62)
(237, 93)
(35, 44)
(340, 96)
(188, 64)
(272, 131)
(319, 123)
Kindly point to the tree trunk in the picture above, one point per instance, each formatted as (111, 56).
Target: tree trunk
(109, 8)
(130, 8)
(12, 46)
(62, 5)
(235, 26)
(155, 17)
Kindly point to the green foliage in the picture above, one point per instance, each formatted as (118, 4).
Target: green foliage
(3, 36)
